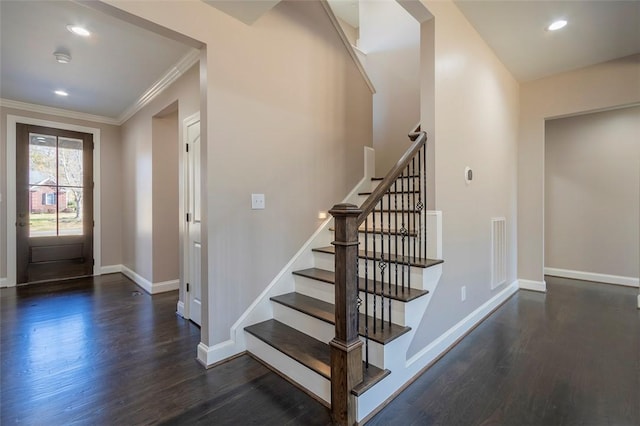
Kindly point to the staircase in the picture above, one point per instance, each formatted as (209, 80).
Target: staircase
(374, 283)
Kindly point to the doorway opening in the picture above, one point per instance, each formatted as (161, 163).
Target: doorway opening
(54, 204)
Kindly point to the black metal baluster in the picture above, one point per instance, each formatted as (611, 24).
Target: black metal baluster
(373, 257)
(424, 181)
(366, 291)
(395, 228)
(420, 207)
(403, 230)
(413, 204)
(382, 264)
(388, 230)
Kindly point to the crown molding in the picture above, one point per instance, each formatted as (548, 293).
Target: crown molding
(159, 86)
(156, 88)
(58, 112)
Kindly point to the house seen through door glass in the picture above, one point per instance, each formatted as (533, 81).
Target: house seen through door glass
(55, 186)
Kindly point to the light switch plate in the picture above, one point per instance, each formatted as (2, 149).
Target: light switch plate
(257, 201)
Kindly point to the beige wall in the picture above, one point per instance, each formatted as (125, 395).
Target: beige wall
(287, 114)
(474, 100)
(110, 184)
(593, 88)
(592, 197)
(390, 37)
(151, 176)
(166, 219)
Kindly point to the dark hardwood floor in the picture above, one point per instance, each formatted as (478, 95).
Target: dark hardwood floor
(567, 357)
(102, 352)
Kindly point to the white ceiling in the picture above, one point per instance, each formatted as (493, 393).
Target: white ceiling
(598, 31)
(109, 71)
(120, 63)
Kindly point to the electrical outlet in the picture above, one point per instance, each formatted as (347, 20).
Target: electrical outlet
(257, 201)
(463, 293)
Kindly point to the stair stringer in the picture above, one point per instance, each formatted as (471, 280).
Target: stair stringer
(261, 309)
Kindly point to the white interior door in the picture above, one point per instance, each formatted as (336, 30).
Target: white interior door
(193, 210)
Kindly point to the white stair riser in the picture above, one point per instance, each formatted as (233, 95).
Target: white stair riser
(397, 308)
(314, 288)
(391, 244)
(318, 329)
(404, 201)
(407, 182)
(406, 219)
(326, 261)
(306, 378)
(322, 331)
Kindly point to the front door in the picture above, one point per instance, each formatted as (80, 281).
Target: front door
(193, 234)
(54, 203)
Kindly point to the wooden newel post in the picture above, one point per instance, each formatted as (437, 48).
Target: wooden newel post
(346, 347)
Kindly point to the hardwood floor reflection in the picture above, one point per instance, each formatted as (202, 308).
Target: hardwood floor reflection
(102, 352)
(568, 357)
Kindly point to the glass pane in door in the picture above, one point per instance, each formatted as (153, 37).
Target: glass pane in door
(55, 186)
(70, 211)
(43, 210)
(42, 159)
(70, 162)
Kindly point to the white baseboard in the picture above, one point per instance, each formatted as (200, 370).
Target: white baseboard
(110, 269)
(148, 286)
(3, 282)
(593, 276)
(451, 336)
(164, 286)
(210, 355)
(540, 286)
(180, 308)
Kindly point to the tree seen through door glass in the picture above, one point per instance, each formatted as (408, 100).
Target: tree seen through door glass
(55, 186)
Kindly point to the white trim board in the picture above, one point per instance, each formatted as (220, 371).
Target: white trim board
(3, 282)
(148, 286)
(540, 286)
(110, 269)
(375, 398)
(449, 338)
(180, 308)
(12, 120)
(593, 276)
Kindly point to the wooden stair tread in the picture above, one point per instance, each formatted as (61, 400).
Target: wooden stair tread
(408, 211)
(392, 192)
(312, 353)
(377, 178)
(323, 275)
(308, 351)
(383, 231)
(405, 260)
(325, 311)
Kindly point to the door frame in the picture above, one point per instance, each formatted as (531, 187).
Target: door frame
(184, 306)
(12, 120)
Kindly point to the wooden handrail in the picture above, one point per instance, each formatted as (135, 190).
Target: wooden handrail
(419, 139)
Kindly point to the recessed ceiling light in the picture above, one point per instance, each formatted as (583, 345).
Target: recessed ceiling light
(78, 30)
(61, 93)
(62, 57)
(556, 25)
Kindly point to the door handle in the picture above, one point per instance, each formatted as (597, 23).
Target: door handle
(21, 224)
